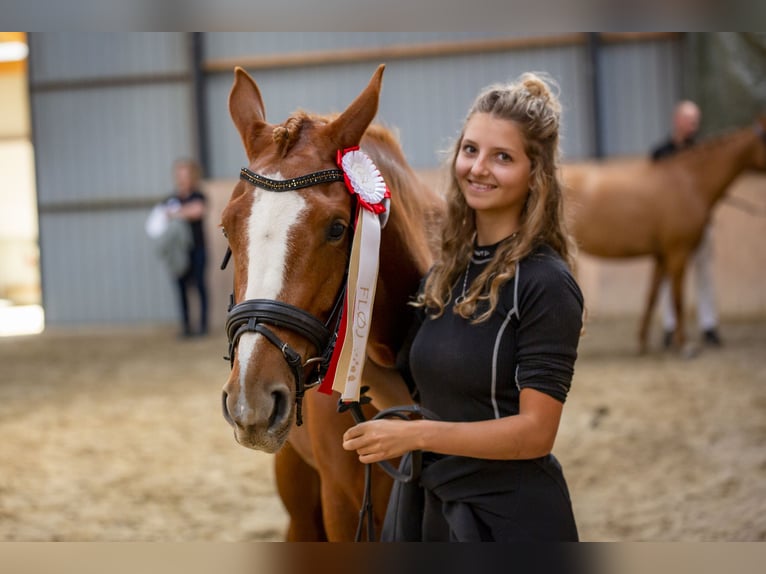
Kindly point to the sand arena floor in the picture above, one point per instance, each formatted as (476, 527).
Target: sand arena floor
(116, 435)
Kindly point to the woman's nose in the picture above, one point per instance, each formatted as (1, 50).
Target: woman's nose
(479, 166)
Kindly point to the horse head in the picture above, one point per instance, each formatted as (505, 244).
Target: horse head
(289, 237)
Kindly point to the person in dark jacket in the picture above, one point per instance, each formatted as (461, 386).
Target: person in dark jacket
(189, 204)
(493, 356)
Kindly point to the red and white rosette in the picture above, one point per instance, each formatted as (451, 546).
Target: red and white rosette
(364, 180)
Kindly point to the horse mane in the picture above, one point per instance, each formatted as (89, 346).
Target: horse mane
(287, 134)
(422, 206)
(418, 204)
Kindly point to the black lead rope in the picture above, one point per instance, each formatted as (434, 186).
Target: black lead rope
(402, 412)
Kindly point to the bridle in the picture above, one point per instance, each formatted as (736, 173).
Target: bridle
(256, 315)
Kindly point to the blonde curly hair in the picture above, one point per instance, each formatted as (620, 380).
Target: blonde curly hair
(531, 104)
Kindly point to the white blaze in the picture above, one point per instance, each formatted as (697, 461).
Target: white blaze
(272, 216)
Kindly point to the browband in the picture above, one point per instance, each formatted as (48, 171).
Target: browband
(326, 176)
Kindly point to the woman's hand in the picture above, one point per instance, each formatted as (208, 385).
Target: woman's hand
(380, 440)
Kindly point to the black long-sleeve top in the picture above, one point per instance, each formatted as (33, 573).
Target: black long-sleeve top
(469, 372)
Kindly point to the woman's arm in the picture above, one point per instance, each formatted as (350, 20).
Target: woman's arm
(530, 434)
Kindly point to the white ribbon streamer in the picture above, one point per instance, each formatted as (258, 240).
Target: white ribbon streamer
(362, 280)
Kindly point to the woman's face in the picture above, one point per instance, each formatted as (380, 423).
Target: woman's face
(492, 168)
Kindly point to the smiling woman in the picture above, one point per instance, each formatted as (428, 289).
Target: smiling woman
(496, 340)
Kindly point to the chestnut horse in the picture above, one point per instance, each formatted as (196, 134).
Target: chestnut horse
(638, 207)
(290, 252)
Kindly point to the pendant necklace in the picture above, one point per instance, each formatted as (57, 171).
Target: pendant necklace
(461, 297)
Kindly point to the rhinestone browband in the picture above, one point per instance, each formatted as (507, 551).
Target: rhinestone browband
(326, 176)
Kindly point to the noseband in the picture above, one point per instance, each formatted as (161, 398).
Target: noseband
(253, 315)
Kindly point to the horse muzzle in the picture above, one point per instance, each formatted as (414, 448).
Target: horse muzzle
(263, 421)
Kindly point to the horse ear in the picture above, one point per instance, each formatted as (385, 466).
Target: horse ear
(347, 129)
(246, 109)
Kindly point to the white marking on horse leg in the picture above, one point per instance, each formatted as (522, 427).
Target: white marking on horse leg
(271, 218)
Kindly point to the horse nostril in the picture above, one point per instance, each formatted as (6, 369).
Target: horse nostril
(225, 408)
(279, 408)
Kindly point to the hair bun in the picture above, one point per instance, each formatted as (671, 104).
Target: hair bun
(535, 85)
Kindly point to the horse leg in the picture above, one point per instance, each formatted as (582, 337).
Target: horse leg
(299, 488)
(654, 286)
(677, 291)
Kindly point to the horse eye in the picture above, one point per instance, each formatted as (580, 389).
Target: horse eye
(336, 230)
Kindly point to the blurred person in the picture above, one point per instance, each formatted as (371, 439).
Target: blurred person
(500, 316)
(189, 204)
(686, 122)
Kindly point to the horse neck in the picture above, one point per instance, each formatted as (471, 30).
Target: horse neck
(405, 246)
(404, 259)
(717, 164)
(405, 254)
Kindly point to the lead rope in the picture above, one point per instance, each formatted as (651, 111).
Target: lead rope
(401, 412)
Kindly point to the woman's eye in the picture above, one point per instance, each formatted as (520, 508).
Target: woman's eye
(336, 231)
(468, 148)
(504, 156)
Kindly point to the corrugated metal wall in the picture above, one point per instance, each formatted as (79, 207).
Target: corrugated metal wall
(425, 100)
(107, 128)
(110, 114)
(640, 84)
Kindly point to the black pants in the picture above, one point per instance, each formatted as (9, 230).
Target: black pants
(195, 278)
(472, 500)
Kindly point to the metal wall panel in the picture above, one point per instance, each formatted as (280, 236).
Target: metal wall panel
(59, 56)
(425, 100)
(238, 44)
(111, 142)
(107, 125)
(100, 268)
(641, 83)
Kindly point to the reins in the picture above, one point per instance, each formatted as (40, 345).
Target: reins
(402, 412)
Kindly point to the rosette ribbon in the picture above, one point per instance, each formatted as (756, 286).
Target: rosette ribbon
(363, 179)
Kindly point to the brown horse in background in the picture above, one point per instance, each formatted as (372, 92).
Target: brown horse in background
(292, 248)
(639, 207)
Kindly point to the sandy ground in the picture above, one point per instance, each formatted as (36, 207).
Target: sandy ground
(118, 436)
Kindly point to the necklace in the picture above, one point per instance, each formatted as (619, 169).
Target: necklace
(461, 297)
(479, 252)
